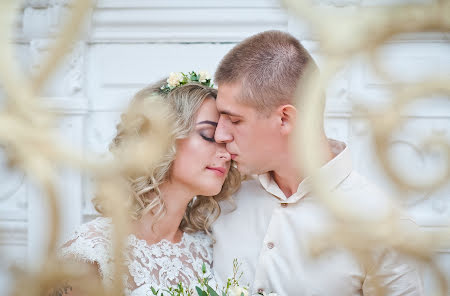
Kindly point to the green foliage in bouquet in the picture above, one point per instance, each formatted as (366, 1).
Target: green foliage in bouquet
(204, 289)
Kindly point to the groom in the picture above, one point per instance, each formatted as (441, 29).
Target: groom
(276, 215)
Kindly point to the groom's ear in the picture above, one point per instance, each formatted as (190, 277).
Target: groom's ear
(288, 116)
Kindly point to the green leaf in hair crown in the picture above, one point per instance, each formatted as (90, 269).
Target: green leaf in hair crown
(179, 78)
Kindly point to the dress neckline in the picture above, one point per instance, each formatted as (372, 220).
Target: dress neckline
(163, 241)
(184, 238)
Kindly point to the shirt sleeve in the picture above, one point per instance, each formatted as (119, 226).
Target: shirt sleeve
(392, 274)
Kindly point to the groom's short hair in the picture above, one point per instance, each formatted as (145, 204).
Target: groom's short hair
(268, 66)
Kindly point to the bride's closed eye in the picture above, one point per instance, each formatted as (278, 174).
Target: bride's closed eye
(206, 138)
(207, 132)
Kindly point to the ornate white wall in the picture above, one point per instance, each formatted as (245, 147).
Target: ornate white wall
(128, 43)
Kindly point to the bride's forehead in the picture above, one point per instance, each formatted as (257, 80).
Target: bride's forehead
(208, 110)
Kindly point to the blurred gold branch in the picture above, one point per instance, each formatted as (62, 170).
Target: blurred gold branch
(344, 34)
(31, 144)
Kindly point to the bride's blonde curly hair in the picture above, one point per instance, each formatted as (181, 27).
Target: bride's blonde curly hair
(145, 196)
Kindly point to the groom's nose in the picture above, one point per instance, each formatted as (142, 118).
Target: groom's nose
(223, 134)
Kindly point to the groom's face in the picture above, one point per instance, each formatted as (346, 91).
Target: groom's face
(252, 139)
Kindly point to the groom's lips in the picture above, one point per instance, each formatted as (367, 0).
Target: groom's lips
(233, 156)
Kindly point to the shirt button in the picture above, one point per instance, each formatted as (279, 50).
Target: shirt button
(284, 205)
(260, 290)
(270, 245)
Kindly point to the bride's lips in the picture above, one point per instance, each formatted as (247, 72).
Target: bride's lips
(220, 171)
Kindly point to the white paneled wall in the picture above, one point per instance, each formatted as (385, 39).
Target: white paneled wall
(127, 44)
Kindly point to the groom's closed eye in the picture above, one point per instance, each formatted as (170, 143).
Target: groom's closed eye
(235, 120)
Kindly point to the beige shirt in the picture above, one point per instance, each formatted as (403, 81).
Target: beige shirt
(269, 235)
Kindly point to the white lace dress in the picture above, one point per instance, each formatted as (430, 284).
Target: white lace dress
(160, 265)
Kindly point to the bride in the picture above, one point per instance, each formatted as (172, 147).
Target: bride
(175, 205)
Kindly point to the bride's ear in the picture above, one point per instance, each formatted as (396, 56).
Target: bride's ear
(288, 116)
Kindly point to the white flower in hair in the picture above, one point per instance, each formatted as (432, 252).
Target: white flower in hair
(174, 79)
(177, 79)
(237, 291)
(203, 76)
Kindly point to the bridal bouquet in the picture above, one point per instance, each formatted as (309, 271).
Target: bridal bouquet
(232, 287)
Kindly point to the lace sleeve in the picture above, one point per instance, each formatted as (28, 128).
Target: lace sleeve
(91, 243)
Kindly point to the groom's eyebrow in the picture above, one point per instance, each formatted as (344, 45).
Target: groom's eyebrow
(208, 122)
(230, 113)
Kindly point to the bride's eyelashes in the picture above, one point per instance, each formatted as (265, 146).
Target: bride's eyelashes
(207, 138)
(207, 134)
(208, 130)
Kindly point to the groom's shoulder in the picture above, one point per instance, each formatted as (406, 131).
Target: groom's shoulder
(372, 201)
(357, 183)
(366, 196)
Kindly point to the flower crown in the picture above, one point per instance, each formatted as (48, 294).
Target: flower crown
(179, 78)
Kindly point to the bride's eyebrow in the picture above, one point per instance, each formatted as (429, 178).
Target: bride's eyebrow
(208, 122)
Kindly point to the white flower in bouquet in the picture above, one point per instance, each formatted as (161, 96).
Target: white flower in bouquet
(238, 291)
(203, 76)
(174, 79)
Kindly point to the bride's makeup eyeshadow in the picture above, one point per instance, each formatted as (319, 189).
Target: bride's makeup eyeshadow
(203, 132)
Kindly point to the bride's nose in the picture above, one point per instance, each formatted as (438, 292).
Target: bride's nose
(222, 153)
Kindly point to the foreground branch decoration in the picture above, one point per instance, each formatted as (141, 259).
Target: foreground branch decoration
(343, 34)
(32, 145)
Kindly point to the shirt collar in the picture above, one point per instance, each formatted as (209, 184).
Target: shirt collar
(336, 170)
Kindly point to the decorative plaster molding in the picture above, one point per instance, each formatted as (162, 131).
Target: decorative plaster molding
(36, 3)
(13, 190)
(186, 4)
(13, 233)
(67, 105)
(73, 74)
(45, 3)
(42, 23)
(179, 21)
(339, 3)
(337, 128)
(11, 181)
(38, 47)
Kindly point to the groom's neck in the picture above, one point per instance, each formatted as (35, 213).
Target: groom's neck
(288, 176)
(287, 180)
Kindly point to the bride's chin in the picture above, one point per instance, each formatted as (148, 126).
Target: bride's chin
(211, 191)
